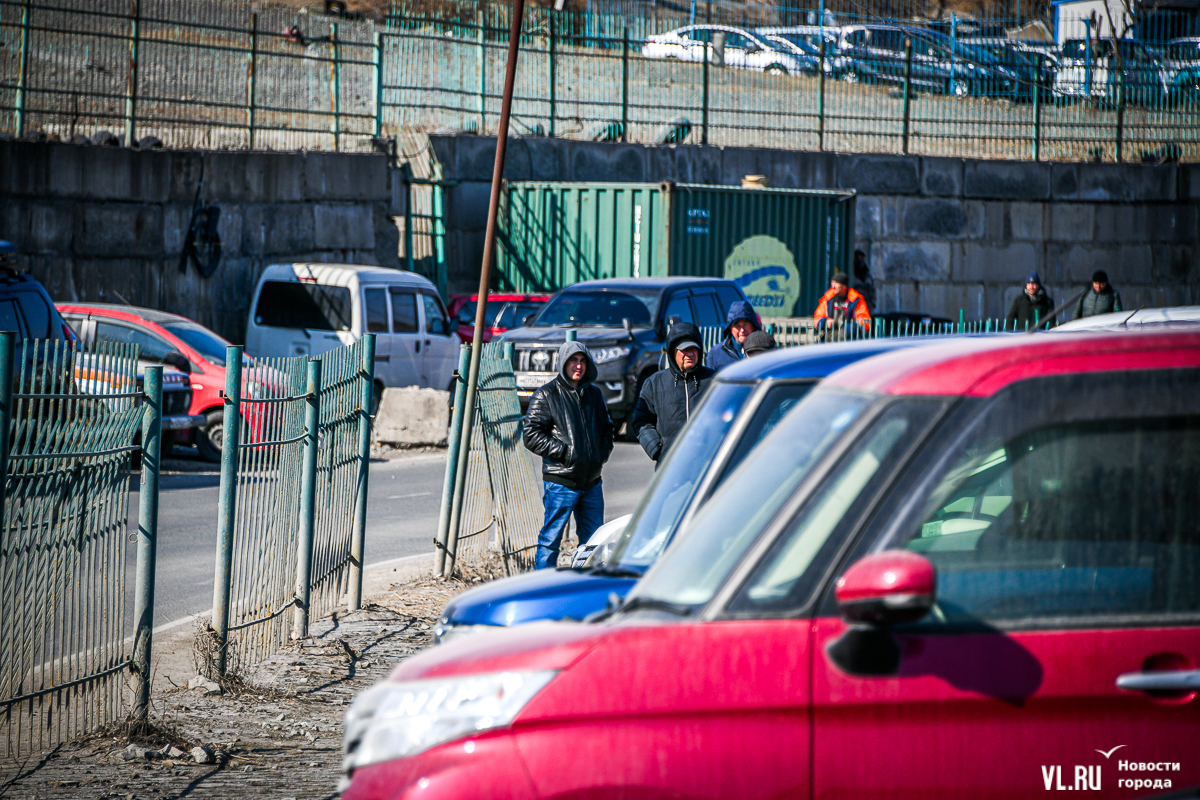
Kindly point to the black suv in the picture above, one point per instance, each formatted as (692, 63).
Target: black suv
(624, 323)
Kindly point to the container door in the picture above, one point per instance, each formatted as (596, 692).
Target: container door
(404, 341)
(439, 347)
(375, 320)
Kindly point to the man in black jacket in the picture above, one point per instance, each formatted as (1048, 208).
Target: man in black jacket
(567, 424)
(1102, 298)
(1031, 307)
(669, 395)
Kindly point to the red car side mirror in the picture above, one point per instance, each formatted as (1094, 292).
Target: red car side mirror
(888, 588)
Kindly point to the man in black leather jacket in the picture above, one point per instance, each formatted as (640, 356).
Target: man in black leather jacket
(669, 395)
(567, 424)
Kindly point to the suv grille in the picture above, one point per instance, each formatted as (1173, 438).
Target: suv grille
(537, 359)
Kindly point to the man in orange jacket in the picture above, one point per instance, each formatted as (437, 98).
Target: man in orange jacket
(841, 303)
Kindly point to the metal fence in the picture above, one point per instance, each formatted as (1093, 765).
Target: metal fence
(501, 504)
(69, 420)
(229, 74)
(292, 509)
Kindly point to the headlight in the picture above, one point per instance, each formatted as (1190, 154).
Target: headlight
(394, 720)
(445, 632)
(605, 354)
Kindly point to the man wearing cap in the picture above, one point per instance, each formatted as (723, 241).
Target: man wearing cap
(670, 395)
(1031, 307)
(1102, 298)
(840, 305)
(568, 426)
(757, 343)
(740, 322)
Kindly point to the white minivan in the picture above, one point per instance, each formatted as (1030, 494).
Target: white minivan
(306, 309)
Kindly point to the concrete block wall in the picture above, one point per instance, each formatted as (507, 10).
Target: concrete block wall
(942, 234)
(101, 224)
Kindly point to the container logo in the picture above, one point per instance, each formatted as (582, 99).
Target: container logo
(766, 271)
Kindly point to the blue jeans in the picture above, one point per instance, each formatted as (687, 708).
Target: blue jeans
(560, 501)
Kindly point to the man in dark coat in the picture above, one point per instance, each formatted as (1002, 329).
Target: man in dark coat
(1102, 298)
(669, 395)
(1031, 307)
(740, 322)
(567, 424)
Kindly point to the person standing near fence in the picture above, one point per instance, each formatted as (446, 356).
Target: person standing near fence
(1102, 298)
(1031, 307)
(567, 424)
(841, 305)
(740, 322)
(669, 395)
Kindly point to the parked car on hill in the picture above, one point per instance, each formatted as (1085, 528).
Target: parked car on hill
(962, 570)
(1098, 71)
(741, 49)
(744, 402)
(1181, 59)
(164, 338)
(806, 40)
(504, 311)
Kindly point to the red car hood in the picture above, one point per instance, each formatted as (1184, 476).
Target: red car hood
(536, 646)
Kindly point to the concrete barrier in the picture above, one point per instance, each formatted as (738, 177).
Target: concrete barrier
(413, 417)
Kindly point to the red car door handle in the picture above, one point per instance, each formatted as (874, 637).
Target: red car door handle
(1165, 681)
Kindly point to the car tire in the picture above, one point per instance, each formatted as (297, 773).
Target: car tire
(211, 435)
(776, 69)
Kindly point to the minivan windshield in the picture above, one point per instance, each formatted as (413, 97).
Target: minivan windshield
(601, 308)
(309, 306)
(731, 521)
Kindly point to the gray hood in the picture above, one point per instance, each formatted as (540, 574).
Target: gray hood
(569, 349)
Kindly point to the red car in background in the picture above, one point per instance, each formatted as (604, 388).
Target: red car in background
(504, 311)
(963, 570)
(168, 339)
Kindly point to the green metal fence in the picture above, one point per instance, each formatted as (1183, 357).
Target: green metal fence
(69, 420)
(236, 74)
(292, 508)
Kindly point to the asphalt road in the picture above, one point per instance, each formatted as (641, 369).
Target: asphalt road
(402, 512)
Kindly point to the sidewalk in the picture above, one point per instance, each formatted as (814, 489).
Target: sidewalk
(280, 736)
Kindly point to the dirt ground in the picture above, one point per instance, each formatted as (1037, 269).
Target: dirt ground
(275, 732)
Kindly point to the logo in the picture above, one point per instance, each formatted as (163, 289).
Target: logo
(766, 271)
(541, 360)
(1110, 752)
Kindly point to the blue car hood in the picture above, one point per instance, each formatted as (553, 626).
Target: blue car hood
(542, 594)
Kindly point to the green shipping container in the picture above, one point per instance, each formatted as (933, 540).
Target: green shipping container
(780, 245)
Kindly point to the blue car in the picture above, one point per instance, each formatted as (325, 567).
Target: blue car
(743, 403)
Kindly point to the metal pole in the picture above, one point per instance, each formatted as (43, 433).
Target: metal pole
(143, 612)
(482, 73)
(335, 82)
(1037, 114)
(1087, 57)
(704, 95)
(8, 344)
(625, 84)
(485, 271)
(572, 335)
(252, 79)
(1120, 85)
(358, 543)
(227, 501)
(406, 173)
(308, 500)
(377, 52)
(131, 88)
(908, 53)
(23, 73)
(446, 516)
(821, 90)
(551, 76)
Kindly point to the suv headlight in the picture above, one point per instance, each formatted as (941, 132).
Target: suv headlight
(394, 720)
(605, 354)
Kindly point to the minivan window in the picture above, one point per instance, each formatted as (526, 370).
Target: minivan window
(151, 347)
(10, 318)
(600, 307)
(201, 339)
(309, 306)
(731, 521)
(435, 316)
(1071, 520)
(37, 314)
(404, 311)
(375, 302)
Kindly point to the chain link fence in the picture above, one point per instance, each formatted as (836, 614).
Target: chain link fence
(232, 74)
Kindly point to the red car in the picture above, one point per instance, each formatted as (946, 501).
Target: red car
(169, 339)
(504, 311)
(966, 570)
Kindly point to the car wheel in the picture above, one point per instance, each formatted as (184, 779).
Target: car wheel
(211, 435)
(776, 69)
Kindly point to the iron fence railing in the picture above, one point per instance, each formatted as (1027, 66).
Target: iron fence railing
(232, 74)
(292, 509)
(70, 417)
